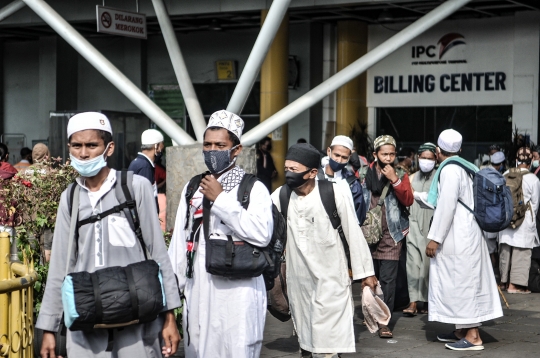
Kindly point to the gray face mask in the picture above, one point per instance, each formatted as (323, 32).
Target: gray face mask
(218, 161)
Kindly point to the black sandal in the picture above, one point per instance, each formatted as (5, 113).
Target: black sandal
(385, 332)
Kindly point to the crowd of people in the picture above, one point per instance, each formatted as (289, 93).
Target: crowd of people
(402, 226)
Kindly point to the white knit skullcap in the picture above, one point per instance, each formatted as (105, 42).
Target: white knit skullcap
(88, 120)
(344, 141)
(450, 141)
(151, 136)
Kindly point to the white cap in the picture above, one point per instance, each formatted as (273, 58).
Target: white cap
(450, 141)
(88, 120)
(227, 120)
(344, 141)
(497, 158)
(151, 136)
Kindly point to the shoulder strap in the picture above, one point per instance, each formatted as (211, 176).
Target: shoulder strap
(244, 189)
(384, 193)
(320, 174)
(130, 212)
(192, 187)
(284, 198)
(351, 179)
(326, 191)
(71, 191)
(459, 164)
(74, 208)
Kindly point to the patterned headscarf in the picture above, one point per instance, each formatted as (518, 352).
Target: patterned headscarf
(524, 155)
(384, 140)
(427, 146)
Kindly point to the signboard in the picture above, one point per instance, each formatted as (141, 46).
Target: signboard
(120, 22)
(456, 63)
(226, 70)
(169, 98)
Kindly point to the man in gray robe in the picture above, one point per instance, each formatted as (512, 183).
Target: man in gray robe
(106, 243)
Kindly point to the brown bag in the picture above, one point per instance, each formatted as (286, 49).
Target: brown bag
(514, 180)
(278, 300)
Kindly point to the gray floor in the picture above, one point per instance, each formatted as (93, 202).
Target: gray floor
(515, 334)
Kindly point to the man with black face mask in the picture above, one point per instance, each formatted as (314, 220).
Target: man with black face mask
(395, 222)
(318, 282)
(334, 168)
(222, 317)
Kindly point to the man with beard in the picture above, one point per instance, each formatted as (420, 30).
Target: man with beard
(381, 174)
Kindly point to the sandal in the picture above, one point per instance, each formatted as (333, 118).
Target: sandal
(408, 312)
(424, 311)
(521, 292)
(385, 332)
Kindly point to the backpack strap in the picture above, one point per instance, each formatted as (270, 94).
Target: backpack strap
(326, 191)
(73, 201)
(244, 189)
(191, 189)
(70, 194)
(284, 198)
(351, 179)
(320, 175)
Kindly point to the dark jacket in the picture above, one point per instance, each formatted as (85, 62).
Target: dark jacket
(142, 166)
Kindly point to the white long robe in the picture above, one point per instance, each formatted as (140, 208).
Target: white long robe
(462, 287)
(318, 282)
(226, 317)
(525, 236)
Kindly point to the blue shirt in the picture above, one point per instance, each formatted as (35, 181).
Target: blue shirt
(143, 167)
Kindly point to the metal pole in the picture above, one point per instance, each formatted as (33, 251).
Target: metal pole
(109, 71)
(10, 9)
(180, 69)
(354, 69)
(271, 24)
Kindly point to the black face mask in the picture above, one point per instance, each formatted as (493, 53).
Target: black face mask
(295, 180)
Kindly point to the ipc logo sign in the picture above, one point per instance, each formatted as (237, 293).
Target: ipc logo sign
(445, 43)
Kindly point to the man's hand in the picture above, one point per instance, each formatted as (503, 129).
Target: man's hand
(371, 282)
(431, 249)
(170, 335)
(48, 344)
(211, 188)
(390, 173)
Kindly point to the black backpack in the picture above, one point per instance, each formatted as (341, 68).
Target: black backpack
(326, 191)
(274, 251)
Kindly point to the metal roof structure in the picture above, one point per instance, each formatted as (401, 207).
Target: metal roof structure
(376, 12)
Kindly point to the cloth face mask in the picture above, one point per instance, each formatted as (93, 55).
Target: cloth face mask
(89, 168)
(217, 161)
(295, 180)
(426, 165)
(336, 167)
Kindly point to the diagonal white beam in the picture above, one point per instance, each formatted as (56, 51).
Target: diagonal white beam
(271, 24)
(182, 75)
(109, 71)
(10, 9)
(353, 70)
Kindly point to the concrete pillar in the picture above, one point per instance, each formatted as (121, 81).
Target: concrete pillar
(275, 93)
(183, 163)
(351, 98)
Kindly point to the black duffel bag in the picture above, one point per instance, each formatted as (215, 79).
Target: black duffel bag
(113, 296)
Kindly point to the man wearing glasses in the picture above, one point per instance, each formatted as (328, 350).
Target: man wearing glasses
(381, 174)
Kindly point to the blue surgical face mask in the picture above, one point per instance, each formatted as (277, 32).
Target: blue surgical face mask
(336, 167)
(218, 161)
(89, 168)
(535, 163)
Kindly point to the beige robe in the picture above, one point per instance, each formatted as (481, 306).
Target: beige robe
(318, 282)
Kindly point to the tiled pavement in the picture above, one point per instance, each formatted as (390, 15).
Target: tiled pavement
(517, 334)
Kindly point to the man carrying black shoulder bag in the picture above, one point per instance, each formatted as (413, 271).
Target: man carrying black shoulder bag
(109, 262)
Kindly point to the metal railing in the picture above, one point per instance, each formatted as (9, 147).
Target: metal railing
(16, 302)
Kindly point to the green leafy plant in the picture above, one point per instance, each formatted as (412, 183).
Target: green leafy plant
(30, 201)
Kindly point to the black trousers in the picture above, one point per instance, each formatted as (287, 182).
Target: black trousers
(386, 272)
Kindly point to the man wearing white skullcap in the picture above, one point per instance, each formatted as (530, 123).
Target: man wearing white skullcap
(462, 286)
(334, 168)
(105, 239)
(226, 317)
(151, 150)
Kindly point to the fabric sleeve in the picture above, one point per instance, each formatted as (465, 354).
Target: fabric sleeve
(402, 188)
(449, 190)
(153, 239)
(360, 206)
(51, 310)
(254, 225)
(178, 248)
(361, 261)
(275, 198)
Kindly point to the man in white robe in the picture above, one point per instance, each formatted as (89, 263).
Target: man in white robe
(222, 317)
(462, 287)
(516, 244)
(318, 282)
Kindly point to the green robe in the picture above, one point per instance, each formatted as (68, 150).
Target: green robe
(417, 261)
